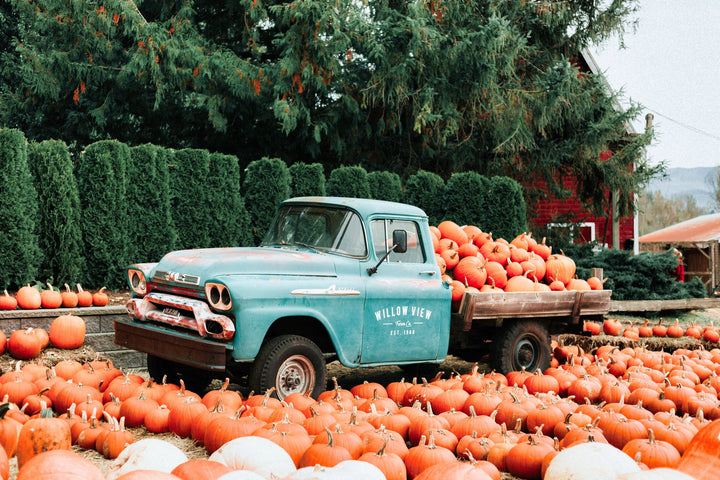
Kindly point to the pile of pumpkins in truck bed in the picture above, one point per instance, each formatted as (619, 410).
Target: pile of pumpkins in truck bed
(475, 261)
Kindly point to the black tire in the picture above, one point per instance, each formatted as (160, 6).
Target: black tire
(521, 344)
(289, 363)
(195, 379)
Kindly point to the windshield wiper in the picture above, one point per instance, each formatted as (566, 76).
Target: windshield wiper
(305, 245)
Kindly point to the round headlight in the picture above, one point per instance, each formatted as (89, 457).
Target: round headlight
(137, 282)
(218, 296)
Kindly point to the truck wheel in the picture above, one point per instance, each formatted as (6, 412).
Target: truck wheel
(523, 344)
(195, 379)
(289, 363)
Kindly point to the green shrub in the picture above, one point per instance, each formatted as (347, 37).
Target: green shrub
(20, 253)
(349, 181)
(61, 241)
(426, 190)
(266, 184)
(188, 197)
(505, 211)
(465, 200)
(385, 185)
(646, 276)
(228, 217)
(307, 180)
(151, 232)
(102, 185)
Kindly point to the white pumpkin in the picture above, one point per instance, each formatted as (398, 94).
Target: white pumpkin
(590, 461)
(241, 475)
(147, 454)
(318, 472)
(256, 454)
(657, 474)
(352, 469)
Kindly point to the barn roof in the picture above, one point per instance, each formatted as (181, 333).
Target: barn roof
(699, 229)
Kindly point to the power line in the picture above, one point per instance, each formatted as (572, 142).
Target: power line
(684, 125)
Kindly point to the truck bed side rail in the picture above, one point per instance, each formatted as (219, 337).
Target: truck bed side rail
(504, 305)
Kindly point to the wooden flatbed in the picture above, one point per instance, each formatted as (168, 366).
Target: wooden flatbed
(490, 309)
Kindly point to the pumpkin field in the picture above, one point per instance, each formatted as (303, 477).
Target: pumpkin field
(617, 410)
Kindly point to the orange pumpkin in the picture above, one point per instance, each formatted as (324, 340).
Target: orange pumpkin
(59, 464)
(67, 331)
(451, 230)
(69, 298)
(50, 298)
(41, 434)
(7, 302)
(24, 344)
(559, 267)
(28, 297)
(84, 297)
(200, 469)
(100, 298)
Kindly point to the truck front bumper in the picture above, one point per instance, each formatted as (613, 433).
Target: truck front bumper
(171, 345)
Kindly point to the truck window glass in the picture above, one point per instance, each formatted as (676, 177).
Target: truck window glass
(333, 230)
(382, 240)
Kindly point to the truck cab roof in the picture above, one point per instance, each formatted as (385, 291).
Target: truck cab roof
(363, 206)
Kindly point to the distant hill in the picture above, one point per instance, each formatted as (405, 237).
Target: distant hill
(687, 181)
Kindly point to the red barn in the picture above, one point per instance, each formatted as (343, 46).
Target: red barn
(615, 232)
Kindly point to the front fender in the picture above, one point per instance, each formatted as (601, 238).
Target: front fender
(253, 324)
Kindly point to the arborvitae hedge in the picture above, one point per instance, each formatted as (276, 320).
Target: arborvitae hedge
(466, 194)
(426, 190)
(188, 197)
(20, 253)
(229, 219)
(349, 181)
(385, 185)
(505, 211)
(102, 177)
(61, 238)
(266, 184)
(307, 180)
(151, 229)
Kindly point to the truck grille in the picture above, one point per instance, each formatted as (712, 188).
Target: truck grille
(176, 277)
(184, 312)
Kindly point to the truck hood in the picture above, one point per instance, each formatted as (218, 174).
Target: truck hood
(216, 262)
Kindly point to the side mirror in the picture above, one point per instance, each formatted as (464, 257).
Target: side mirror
(399, 241)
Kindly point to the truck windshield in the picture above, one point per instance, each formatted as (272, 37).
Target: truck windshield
(333, 230)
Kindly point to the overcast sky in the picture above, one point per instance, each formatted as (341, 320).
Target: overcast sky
(671, 66)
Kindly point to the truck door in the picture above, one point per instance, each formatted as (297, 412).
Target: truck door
(407, 309)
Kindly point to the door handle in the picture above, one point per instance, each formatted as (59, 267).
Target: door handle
(427, 272)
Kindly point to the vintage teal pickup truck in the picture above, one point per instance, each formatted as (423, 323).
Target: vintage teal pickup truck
(335, 278)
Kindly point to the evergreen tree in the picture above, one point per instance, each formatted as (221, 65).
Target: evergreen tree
(229, 220)
(266, 184)
(349, 181)
(102, 183)
(307, 180)
(426, 190)
(385, 185)
(59, 221)
(505, 208)
(189, 197)
(451, 86)
(151, 231)
(21, 254)
(467, 198)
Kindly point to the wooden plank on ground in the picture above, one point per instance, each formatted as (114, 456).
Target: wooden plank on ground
(631, 306)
